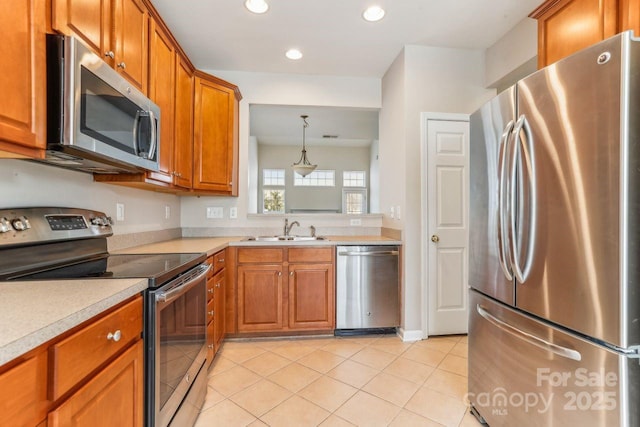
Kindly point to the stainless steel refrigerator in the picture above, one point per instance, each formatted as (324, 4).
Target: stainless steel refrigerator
(554, 263)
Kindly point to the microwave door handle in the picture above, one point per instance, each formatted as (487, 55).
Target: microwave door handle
(183, 284)
(530, 338)
(154, 133)
(136, 126)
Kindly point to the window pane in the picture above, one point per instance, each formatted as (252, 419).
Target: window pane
(353, 179)
(273, 201)
(317, 178)
(354, 201)
(273, 177)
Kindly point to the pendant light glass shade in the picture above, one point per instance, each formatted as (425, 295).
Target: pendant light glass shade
(303, 166)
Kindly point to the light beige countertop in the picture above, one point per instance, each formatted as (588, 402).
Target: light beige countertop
(210, 245)
(36, 311)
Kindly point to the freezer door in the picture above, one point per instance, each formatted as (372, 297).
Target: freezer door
(571, 153)
(489, 270)
(522, 372)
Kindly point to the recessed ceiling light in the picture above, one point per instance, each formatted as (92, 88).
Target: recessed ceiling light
(373, 13)
(293, 54)
(257, 6)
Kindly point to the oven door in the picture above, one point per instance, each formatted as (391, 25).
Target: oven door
(176, 345)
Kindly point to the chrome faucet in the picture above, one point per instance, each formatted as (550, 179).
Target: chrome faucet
(288, 227)
(313, 231)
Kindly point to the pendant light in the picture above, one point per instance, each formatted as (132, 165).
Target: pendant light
(303, 166)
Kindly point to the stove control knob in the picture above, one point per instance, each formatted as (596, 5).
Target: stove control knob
(97, 221)
(21, 224)
(108, 220)
(5, 225)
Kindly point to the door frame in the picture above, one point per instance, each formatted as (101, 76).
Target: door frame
(425, 117)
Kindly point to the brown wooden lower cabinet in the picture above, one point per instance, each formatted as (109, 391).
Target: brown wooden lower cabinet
(114, 397)
(216, 303)
(106, 388)
(285, 289)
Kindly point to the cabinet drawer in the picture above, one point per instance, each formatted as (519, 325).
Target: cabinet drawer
(211, 284)
(219, 260)
(257, 255)
(311, 254)
(75, 357)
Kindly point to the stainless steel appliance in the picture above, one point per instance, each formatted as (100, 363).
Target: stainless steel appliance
(65, 243)
(554, 334)
(96, 120)
(367, 289)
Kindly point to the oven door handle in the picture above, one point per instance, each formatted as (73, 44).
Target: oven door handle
(183, 283)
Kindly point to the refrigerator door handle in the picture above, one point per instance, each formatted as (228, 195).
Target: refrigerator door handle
(502, 211)
(531, 339)
(523, 153)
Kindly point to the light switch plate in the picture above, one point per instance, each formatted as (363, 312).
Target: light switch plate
(119, 211)
(233, 212)
(392, 212)
(355, 221)
(167, 212)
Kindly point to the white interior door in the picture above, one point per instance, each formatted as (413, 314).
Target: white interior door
(447, 225)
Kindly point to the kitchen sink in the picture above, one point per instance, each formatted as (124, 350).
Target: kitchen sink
(283, 238)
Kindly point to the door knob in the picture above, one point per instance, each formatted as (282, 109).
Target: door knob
(435, 238)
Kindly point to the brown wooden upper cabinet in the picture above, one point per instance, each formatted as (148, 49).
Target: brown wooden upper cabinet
(566, 26)
(215, 144)
(23, 89)
(183, 143)
(115, 29)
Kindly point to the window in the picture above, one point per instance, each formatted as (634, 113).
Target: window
(273, 201)
(354, 179)
(273, 177)
(354, 201)
(317, 178)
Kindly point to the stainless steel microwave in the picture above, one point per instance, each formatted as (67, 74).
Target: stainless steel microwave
(97, 121)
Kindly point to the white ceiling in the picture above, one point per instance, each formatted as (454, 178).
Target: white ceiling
(335, 40)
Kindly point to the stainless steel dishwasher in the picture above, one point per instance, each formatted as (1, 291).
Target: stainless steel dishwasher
(367, 289)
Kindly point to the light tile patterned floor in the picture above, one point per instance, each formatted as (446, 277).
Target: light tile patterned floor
(355, 381)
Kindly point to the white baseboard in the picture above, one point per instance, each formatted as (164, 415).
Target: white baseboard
(415, 335)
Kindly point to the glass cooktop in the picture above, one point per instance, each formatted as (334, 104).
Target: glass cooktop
(158, 268)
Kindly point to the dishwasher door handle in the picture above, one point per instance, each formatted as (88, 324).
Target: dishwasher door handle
(370, 253)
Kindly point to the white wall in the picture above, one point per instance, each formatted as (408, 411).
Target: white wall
(28, 184)
(515, 51)
(277, 89)
(433, 80)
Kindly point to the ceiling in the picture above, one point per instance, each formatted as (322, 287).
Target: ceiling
(335, 40)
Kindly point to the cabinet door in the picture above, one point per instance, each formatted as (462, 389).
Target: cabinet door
(215, 138)
(183, 143)
(161, 91)
(311, 296)
(22, 112)
(89, 20)
(114, 397)
(259, 297)
(220, 306)
(23, 392)
(566, 26)
(630, 16)
(131, 26)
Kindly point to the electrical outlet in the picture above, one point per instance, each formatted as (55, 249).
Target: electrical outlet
(355, 221)
(215, 212)
(167, 212)
(392, 212)
(233, 212)
(119, 211)
(398, 212)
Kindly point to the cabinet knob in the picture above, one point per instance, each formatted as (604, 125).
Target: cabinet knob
(279, 273)
(122, 65)
(114, 336)
(291, 273)
(210, 313)
(210, 291)
(217, 285)
(109, 54)
(210, 346)
(220, 259)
